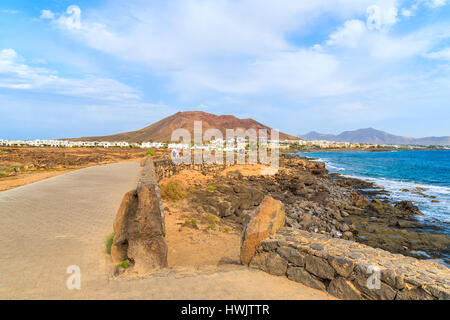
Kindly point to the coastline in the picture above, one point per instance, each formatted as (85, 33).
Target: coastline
(374, 191)
(320, 202)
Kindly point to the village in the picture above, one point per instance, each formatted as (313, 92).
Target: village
(217, 144)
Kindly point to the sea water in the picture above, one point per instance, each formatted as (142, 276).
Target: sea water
(397, 171)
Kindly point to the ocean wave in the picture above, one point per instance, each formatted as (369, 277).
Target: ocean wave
(397, 192)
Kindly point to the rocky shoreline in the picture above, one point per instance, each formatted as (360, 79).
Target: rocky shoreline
(327, 204)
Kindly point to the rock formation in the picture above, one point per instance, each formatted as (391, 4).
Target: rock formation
(268, 218)
(139, 231)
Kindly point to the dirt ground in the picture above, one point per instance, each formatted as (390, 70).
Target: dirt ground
(27, 178)
(196, 237)
(24, 165)
(246, 170)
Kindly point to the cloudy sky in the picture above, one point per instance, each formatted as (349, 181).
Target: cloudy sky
(78, 68)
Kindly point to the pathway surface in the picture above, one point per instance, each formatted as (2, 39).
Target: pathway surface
(47, 226)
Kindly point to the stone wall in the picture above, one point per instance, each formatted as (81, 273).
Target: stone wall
(349, 270)
(139, 225)
(164, 167)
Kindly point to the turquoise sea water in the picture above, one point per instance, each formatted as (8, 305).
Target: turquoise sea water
(399, 170)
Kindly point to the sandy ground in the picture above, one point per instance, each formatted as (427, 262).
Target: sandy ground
(27, 178)
(193, 237)
(23, 179)
(246, 170)
(202, 243)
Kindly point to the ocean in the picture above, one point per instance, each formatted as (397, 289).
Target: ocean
(398, 171)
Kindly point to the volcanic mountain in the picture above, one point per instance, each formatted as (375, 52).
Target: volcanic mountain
(162, 130)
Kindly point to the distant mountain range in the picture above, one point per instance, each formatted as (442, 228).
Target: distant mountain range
(373, 136)
(162, 130)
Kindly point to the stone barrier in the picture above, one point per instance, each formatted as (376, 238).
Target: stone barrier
(165, 168)
(139, 225)
(268, 218)
(350, 270)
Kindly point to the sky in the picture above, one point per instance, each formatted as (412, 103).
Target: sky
(97, 67)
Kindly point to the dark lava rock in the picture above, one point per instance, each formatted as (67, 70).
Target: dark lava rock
(408, 206)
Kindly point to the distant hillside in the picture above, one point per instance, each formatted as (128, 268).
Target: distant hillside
(373, 136)
(162, 130)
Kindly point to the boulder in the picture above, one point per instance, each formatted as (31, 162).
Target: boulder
(291, 255)
(343, 289)
(343, 267)
(361, 278)
(319, 267)
(416, 293)
(377, 206)
(269, 262)
(301, 275)
(359, 201)
(276, 265)
(267, 219)
(408, 206)
(139, 230)
(127, 209)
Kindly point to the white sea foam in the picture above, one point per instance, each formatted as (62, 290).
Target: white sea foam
(433, 210)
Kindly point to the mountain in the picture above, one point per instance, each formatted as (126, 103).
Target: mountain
(162, 130)
(373, 136)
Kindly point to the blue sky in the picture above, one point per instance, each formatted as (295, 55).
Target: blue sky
(83, 68)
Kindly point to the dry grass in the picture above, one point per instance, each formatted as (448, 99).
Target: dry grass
(173, 190)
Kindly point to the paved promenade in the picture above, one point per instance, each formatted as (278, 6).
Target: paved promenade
(62, 221)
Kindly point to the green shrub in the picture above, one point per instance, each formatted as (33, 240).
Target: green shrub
(190, 222)
(212, 219)
(150, 153)
(173, 190)
(109, 242)
(124, 264)
(192, 190)
(211, 188)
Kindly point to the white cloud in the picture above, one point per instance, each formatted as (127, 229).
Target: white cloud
(72, 18)
(15, 74)
(443, 54)
(47, 14)
(378, 17)
(348, 35)
(241, 49)
(10, 11)
(407, 12)
(435, 3)
(359, 40)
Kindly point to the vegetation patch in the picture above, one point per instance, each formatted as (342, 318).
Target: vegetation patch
(150, 153)
(192, 190)
(190, 223)
(124, 264)
(109, 242)
(212, 219)
(226, 230)
(173, 190)
(211, 188)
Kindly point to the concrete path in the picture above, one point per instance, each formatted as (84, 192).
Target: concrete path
(47, 226)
